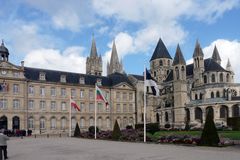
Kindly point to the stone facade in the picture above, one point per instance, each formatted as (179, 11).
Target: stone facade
(38, 99)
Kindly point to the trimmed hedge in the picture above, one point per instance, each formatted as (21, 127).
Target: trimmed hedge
(234, 122)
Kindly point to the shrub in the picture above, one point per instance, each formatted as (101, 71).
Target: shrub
(91, 129)
(77, 132)
(129, 127)
(116, 131)
(209, 135)
(139, 126)
(152, 127)
(167, 126)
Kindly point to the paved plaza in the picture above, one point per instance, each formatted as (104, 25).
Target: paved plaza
(84, 149)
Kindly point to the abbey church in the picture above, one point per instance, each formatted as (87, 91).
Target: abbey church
(39, 99)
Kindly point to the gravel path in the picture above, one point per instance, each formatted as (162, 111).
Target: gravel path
(83, 149)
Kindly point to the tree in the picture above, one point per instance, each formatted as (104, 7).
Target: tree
(209, 135)
(116, 131)
(77, 132)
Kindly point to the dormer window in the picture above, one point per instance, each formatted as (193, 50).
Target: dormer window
(42, 76)
(63, 78)
(82, 80)
(99, 82)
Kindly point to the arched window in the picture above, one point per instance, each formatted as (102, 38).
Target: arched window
(235, 111)
(212, 95)
(183, 72)
(177, 72)
(82, 122)
(31, 123)
(168, 62)
(160, 62)
(42, 123)
(73, 122)
(63, 123)
(218, 94)
(157, 118)
(213, 78)
(201, 96)
(205, 79)
(53, 123)
(227, 78)
(223, 112)
(99, 123)
(108, 122)
(198, 114)
(124, 121)
(166, 117)
(196, 96)
(221, 77)
(91, 121)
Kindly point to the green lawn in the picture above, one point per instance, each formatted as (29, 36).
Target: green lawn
(234, 135)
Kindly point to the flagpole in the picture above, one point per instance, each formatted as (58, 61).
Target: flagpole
(144, 106)
(95, 123)
(70, 119)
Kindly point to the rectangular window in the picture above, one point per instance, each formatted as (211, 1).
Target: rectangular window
(118, 95)
(15, 88)
(63, 78)
(91, 95)
(53, 106)
(30, 123)
(30, 104)
(100, 107)
(63, 106)
(124, 108)
(16, 104)
(63, 92)
(73, 93)
(31, 90)
(124, 96)
(130, 107)
(53, 91)
(42, 91)
(91, 107)
(130, 96)
(82, 93)
(3, 104)
(118, 108)
(82, 109)
(42, 105)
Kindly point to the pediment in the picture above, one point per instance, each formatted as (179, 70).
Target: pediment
(123, 85)
(9, 66)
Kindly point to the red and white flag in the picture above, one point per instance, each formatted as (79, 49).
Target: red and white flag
(74, 104)
(100, 96)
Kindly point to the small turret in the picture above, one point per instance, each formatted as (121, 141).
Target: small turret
(215, 56)
(4, 52)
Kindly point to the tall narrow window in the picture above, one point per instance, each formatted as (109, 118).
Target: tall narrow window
(53, 91)
(31, 90)
(213, 78)
(15, 88)
(221, 77)
(42, 91)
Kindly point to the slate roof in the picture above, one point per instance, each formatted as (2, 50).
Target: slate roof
(209, 65)
(3, 49)
(160, 51)
(215, 55)
(73, 78)
(198, 50)
(138, 77)
(179, 59)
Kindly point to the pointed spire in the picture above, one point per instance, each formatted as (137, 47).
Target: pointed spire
(93, 48)
(198, 50)
(179, 59)
(2, 43)
(215, 56)
(114, 55)
(160, 51)
(229, 66)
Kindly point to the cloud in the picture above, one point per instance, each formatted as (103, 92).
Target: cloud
(227, 50)
(71, 15)
(71, 59)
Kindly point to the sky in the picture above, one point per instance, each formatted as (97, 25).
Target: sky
(57, 34)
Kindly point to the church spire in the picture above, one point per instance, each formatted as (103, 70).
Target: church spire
(179, 59)
(215, 56)
(229, 66)
(198, 50)
(93, 52)
(115, 65)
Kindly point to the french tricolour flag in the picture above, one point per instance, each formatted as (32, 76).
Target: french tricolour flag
(150, 82)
